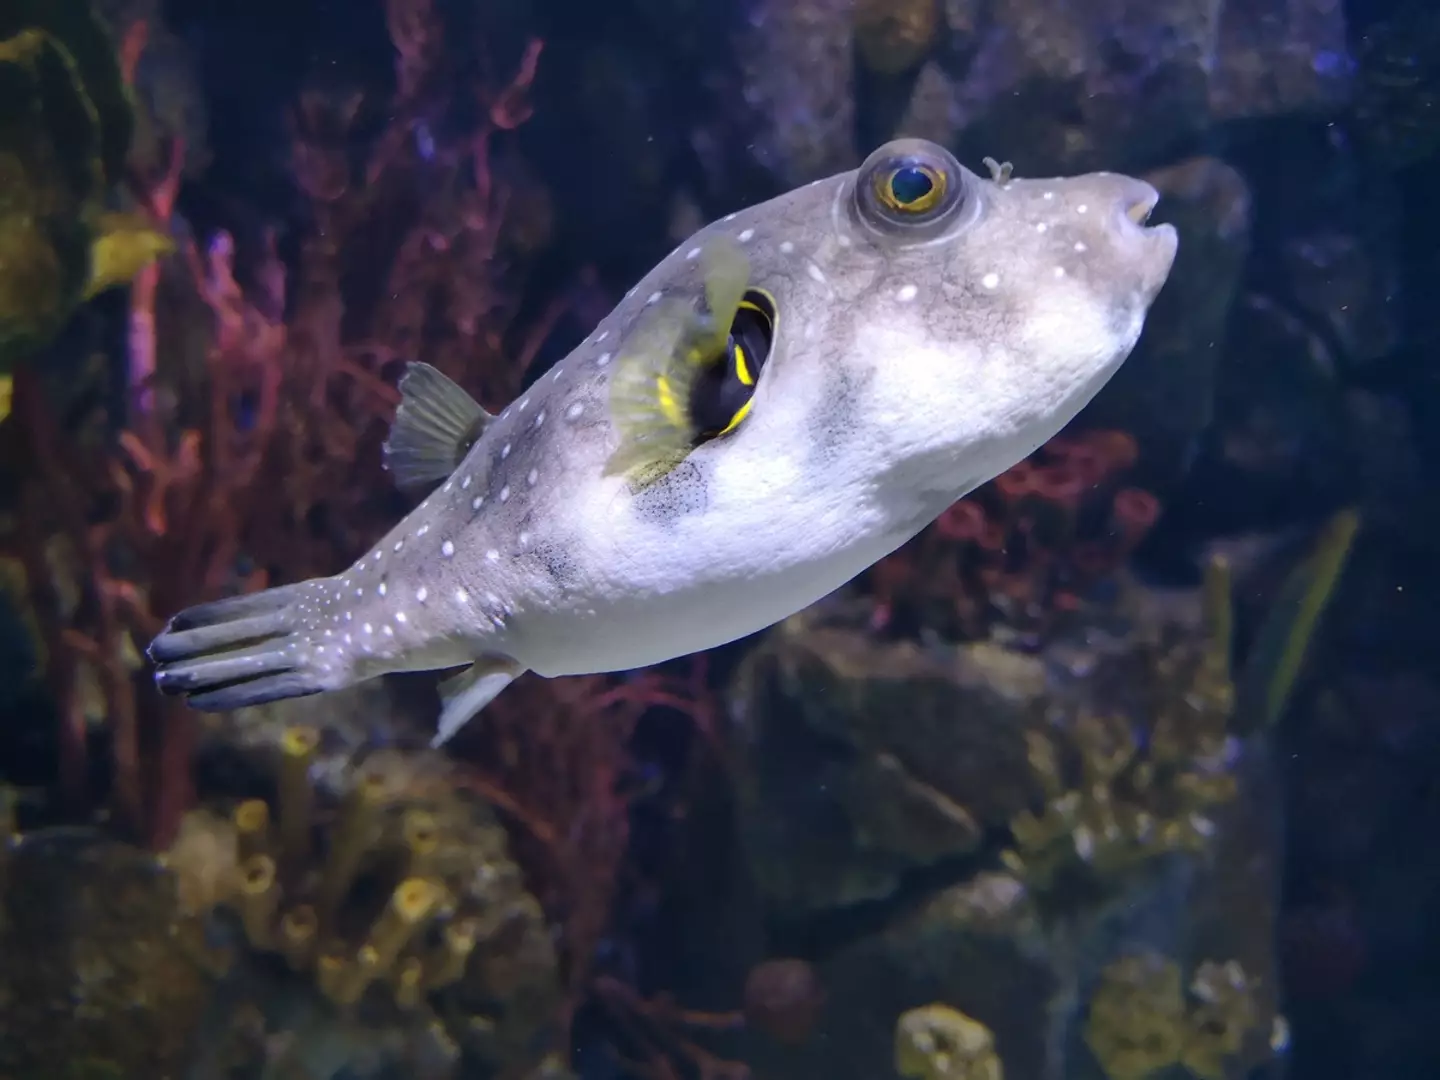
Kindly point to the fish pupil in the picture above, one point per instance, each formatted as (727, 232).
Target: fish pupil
(910, 184)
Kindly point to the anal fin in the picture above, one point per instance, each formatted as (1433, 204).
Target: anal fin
(435, 426)
(464, 695)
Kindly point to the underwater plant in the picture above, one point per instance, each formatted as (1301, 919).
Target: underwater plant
(260, 455)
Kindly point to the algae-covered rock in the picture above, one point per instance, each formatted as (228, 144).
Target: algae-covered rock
(936, 1042)
(103, 973)
(1110, 805)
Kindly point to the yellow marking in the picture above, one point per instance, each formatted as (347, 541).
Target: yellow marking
(742, 366)
(740, 414)
(668, 405)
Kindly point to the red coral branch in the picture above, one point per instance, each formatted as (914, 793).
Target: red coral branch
(1023, 549)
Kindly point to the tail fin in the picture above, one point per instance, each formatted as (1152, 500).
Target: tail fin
(245, 650)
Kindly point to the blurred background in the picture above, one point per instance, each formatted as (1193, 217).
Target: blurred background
(1122, 770)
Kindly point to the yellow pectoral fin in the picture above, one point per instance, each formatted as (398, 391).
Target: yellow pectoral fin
(669, 403)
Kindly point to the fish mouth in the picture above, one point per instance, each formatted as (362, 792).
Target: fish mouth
(1143, 206)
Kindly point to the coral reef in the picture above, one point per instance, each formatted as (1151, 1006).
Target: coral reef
(398, 904)
(936, 1042)
(251, 451)
(1118, 792)
(1020, 552)
(1140, 1021)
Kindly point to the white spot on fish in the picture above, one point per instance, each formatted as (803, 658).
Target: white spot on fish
(421, 593)
(465, 483)
(559, 370)
(524, 403)
(381, 588)
(601, 336)
(540, 418)
(461, 596)
(1042, 227)
(447, 549)
(1082, 209)
(368, 628)
(786, 247)
(1059, 271)
(387, 631)
(524, 539)
(349, 616)
(843, 241)
(348, 640)
(422, 530)
(1080, 245)
(477, 502)
(399, 544)
(493, 555)
(448, 485)
(906, 293)
(655, 297)
(602, 359)
(399, 616)
(815, 272)
(1048, 196)
(574, 411)
(692, 254)
(732, 217)
(493, 598)
(746, 235)
(359, 592)
(504, 451)
(534, 475)
(505, 493)
(990, 280)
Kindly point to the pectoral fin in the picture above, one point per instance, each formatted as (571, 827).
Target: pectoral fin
(655, 372)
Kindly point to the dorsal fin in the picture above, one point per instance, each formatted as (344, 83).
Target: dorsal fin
(434, 428)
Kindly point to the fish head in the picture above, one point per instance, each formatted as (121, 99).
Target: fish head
(939, 326)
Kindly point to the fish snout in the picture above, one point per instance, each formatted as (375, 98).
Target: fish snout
(1156, 245)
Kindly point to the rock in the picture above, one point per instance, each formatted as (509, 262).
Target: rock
(877, 783)
(797, 63)
(104, 975)
(855, 772)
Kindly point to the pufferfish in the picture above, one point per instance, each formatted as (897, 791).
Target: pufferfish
(784, 399)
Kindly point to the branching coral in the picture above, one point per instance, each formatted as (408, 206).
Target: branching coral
(1141, 1022)
(250, 453)
(1122, 788)
(1021, 551)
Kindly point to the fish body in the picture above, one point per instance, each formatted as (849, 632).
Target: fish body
(922, 330)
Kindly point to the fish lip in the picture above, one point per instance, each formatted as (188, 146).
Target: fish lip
(1143, 205)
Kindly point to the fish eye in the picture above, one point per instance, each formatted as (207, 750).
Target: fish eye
(910, 187)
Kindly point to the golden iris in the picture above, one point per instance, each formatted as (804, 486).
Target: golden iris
(911, 189)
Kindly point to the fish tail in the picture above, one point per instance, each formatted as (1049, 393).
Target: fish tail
(249, 650)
